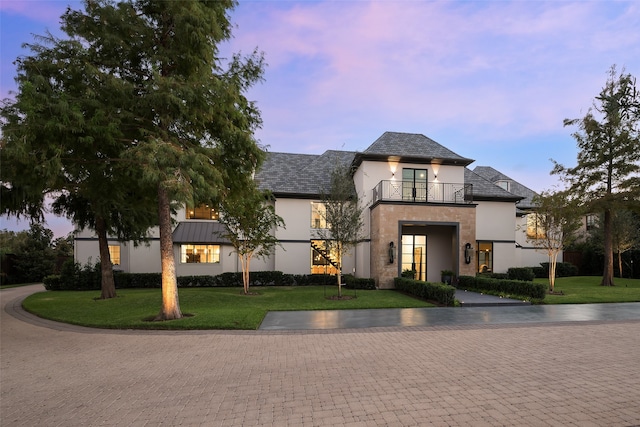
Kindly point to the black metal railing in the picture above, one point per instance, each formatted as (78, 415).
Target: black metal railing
(423, 192)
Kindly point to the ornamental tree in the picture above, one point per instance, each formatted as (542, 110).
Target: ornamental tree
(250, 220)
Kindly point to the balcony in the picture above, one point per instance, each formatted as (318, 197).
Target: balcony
(423, 192)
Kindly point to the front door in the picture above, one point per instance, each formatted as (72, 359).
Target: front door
(414, 254)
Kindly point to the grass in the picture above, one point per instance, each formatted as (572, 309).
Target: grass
(209, 308)
(587, 290)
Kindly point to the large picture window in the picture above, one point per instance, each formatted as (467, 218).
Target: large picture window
(202, 212)
(114, 254)
(323, 261)
(199, 254)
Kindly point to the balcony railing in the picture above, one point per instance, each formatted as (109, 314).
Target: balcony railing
(423, 192)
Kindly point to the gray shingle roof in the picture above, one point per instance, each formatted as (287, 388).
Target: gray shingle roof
(484, 189)
(516, 188)
(412, 146)
(300, 174)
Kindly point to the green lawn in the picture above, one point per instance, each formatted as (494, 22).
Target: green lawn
(209, 308)
(587, 290)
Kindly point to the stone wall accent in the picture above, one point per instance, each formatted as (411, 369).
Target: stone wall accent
(384, 229)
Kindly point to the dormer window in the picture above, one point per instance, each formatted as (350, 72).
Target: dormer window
(505, 185)
(202, 212)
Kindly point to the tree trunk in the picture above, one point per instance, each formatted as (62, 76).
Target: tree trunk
(170, 304)
(107, 284)
(553, 262)
(245, 262)
(607, 276)
(620, 263)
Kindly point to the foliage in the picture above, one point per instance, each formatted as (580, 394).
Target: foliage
(605, 178)
(510, 288)
(211, 308)
(250, 219)
(28, 256)
(342, 215)
(521, 273)
(409, 274)
(559, 217)
(352, 282)
(139, 88)
(441, 293)
(74, 277)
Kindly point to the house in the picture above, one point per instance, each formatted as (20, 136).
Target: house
(426, 211)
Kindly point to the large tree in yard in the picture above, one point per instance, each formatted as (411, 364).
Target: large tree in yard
(182, 125)
(342, 216)
(606, 178)
(250, 219)
(558, 218)
(63, 136)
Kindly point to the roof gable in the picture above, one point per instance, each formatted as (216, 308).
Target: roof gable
(411, 147)
(516, 188)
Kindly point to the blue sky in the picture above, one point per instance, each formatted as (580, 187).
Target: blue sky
(491, 80)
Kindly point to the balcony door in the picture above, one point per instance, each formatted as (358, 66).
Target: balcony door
(414, 185)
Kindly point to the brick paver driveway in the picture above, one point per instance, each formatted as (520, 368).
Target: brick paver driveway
(557, 374)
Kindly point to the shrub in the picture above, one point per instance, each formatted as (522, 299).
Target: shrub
(439, 292)
(563, 269)
(52, 282)
(521, 273)
(352, 282)
(509, 287)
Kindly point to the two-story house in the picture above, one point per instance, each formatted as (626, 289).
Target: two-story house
(425, 211)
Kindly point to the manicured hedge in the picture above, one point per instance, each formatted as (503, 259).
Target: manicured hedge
(509, 287)
(352, 282)
(563, 269)
(439, 292)
(521, 273)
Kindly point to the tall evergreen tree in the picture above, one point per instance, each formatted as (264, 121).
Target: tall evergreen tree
(606, 175)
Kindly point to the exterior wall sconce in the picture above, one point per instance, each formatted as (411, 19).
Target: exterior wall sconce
(468, 249)
(392, 252)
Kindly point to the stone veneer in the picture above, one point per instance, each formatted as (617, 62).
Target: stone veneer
(384, 229)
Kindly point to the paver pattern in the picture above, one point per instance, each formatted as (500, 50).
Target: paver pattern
(573, 374)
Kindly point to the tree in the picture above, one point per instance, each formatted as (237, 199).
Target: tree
(558, 218)
(625, 230)
(182, 121)
(250, 219)
(342, 215)
(606, 175)
(67, 118)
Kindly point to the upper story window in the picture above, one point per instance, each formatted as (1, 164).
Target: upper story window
(592, 221)
(202, 212)
(318, 215)
(535, 230)
(505, 185)
(414, 184)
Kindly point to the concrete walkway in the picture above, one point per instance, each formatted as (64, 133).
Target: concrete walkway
(576, 372)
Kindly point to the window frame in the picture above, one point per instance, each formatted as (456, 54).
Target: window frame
(202, 212)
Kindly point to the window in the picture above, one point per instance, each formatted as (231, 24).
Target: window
(535, 230)
(209, 254)
(485, 257)
(414, 184)
(318, 215)
(592, 222)
(202, 212)
(323, 261)
(114, 254)
(505, 185)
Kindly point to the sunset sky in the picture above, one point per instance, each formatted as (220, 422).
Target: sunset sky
(490, 80)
